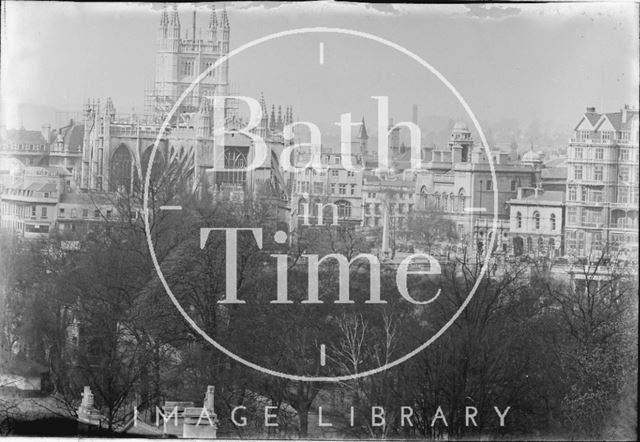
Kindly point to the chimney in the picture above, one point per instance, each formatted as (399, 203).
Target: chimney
(591, 110)
(625, 112)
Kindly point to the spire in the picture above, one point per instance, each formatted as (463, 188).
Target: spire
(225, 18)
(164, 16)
(280, 117)
(363, 131)
(194, 24)
(174, 19)
(272, 121)
(263, 108)
(287, 115)
(213, 20)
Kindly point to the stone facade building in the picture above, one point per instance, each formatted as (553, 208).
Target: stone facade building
(602, 184)
(457, 181)
(536, 222)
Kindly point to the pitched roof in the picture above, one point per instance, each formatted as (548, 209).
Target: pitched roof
(72, 135)
(593, 117)
(555, 196)
(551, 173)
(88, 199)
(48, 187)
(615, 118)
(556, 162)
(23, 136)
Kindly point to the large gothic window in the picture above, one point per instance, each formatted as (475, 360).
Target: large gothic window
(233, 159)
(121, 170)
(158, 163)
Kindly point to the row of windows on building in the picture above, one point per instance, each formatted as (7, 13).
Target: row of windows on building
(536, 220)
(334, 172)
(376, 208)
(188, 68)
(62, 213)
(598, 154)
(444, 202)
(17, 210)
(22, 146)
(397, 223)
(334, 189)
(624, 194)
(597, 173)
(604, 136)
(391, 195)
(588, 217)
(342, 208)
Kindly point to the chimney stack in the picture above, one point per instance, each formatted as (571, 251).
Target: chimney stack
(625, 113)
(591, 110)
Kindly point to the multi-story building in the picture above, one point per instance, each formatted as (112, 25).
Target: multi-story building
(457, 181)
(36, 201)
(602, 184)
(30, 147)
(536, 222)
(318, 194)
(29, 199)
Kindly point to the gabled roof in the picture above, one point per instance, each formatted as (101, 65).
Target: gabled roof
(593, 117)
(615, 119)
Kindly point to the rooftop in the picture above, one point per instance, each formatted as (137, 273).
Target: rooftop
(87, 199)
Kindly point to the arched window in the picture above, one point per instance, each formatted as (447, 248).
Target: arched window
(301, 206)
(540, 245)
(536, 219)
(445, 201)
(461, 201)
(120, 170)
(553, 221)
(452, 203)
(237, 161)
(529, 245)
(437, 200)
(344, 209)
(519, 220)
(314, 209)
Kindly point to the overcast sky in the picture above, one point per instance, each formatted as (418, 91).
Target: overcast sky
(544, 61)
